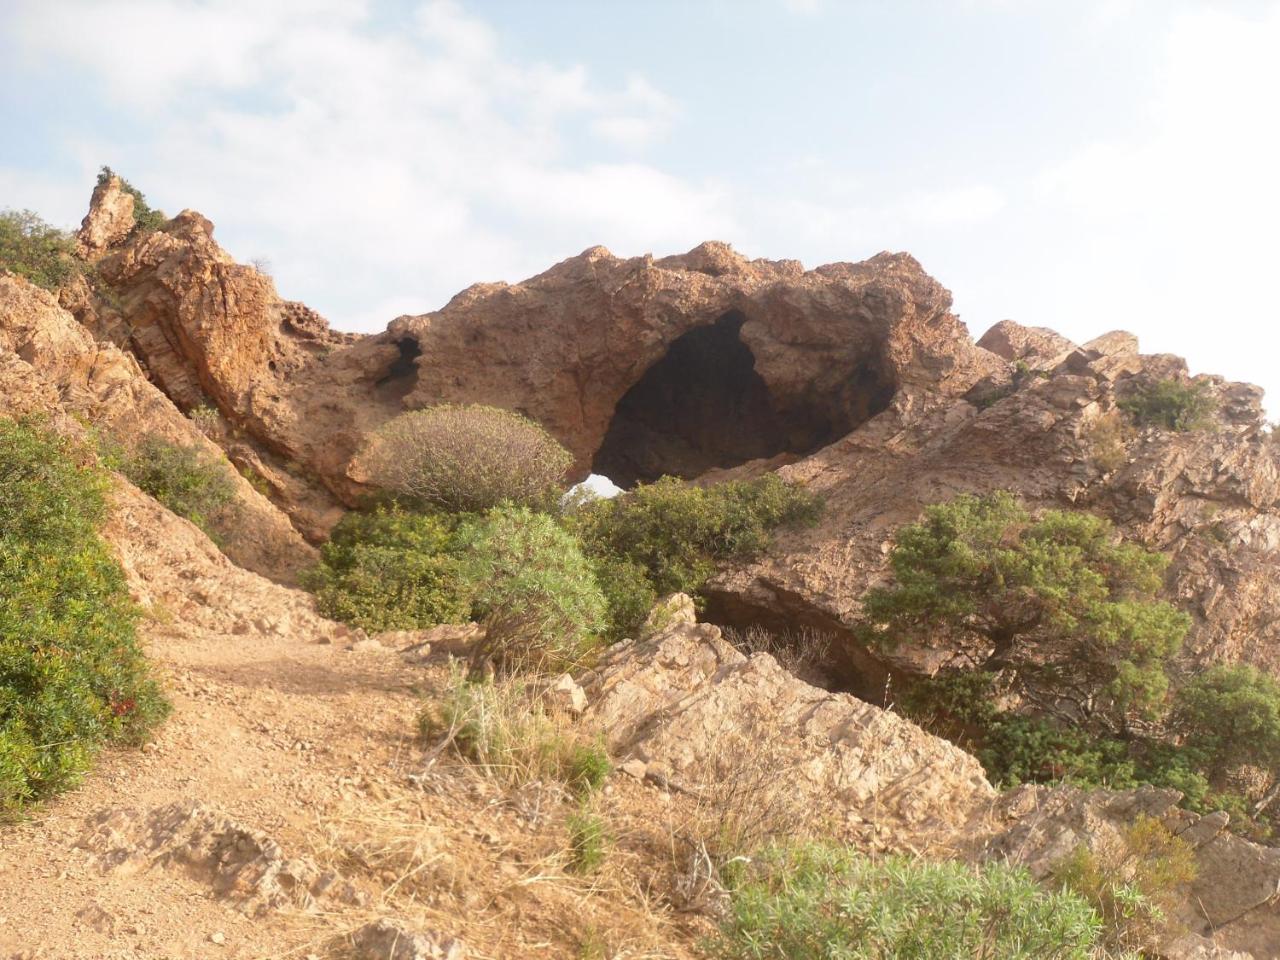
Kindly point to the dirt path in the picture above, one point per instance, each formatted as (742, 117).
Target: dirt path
(276, 810)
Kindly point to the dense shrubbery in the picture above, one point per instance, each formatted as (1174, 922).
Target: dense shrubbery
(72, 676)
(1230, 716)
(31, 248)
(532, 588)
(1171, 404)
(467, 458)
(390, 569)
(677, 535)
(145, 218)
(817, 902)
(187, 481)
(1056, 603)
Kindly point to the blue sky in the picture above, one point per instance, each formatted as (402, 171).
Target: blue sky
(1083, 165)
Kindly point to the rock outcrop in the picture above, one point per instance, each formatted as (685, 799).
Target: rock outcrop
(854, 379)
(1233, 904)
(51, 365)
(698, 714)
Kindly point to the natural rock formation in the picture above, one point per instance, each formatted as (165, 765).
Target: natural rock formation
(1232, 905)
(697, 712)
(109, 220)
(854, 379)
(51, 365)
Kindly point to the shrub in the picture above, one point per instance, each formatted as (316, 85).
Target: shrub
(72, 675)
(816, 902)
(504, 728)
(679, 534)
(1231, 718)
(588, 840)
(186, 480)
(390, 570)
(1133, 884)
(1106, 437)
(467, 458)
(1171, 404)
(628, 596)
(1057, 602)
(534, 591)
(31, 248)
(145, 219)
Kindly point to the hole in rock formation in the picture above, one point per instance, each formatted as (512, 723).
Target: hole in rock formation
(815, 647)
(402, 376)
(703, 406)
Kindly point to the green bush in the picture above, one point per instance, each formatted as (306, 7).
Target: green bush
(390, 570)
(503, 727)
(1230, 716)
(819, 902)
(72, 675)
(679, 535)
(31, 248)
(467, 458)
(186, 480)
(1057, 602)
(1171, 404)
(145, 219)
(534, 591)
(628, 596)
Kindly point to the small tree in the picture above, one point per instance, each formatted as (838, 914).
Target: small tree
(31, 248)
(1057, 601)
(1231, 718)
(533, 589)
(467, 458)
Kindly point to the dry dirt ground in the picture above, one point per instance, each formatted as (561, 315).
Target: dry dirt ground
(287, 802)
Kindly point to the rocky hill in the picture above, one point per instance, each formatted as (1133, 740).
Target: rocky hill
(287, 809)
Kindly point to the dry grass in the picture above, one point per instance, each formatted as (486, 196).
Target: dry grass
(803, 651)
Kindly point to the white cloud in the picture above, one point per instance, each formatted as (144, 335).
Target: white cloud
(960, 206)
(372, 163)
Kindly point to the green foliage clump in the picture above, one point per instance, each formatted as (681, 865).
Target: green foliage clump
(145, 218)
(1056, 601)
(820, 901)
(1131, 885)
(390, 569)
(588, 840)
(31, 248)
(467, 458)
(1170, 404)
(72, 675)
(532, 588)
(1230, 716)
(187, 481)
(678, 535)
(503, 727)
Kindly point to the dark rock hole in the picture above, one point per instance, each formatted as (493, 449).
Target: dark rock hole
(402, 376)
(703, 406)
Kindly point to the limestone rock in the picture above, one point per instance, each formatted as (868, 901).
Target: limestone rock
(109, 220)
(1232, 905)
(388, 940)
(686, 702)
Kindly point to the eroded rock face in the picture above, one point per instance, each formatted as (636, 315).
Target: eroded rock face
(1210, 498)
(51, 365)
(1232, 905)
(640, 367)
(695, 711)
(109, 220)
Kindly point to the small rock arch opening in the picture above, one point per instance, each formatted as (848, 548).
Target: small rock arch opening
(703, 406)
(402, 375)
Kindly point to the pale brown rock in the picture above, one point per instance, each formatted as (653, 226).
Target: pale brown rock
(109, 220)
(673, 699)
(1232, 905)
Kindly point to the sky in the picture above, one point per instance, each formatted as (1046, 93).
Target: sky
(1084, 165)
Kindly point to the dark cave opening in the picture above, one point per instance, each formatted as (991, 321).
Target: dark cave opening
(703, 406)
(402, 376)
